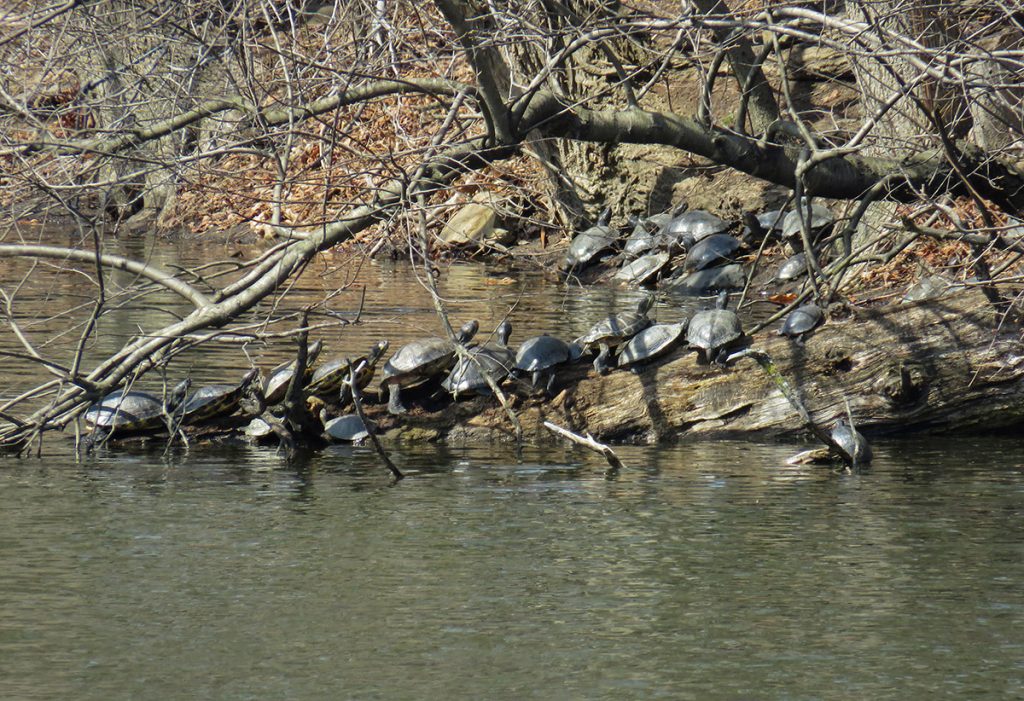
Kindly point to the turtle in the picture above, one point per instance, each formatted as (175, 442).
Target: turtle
(586, 245)
(792, 268)
(771, 222)
(495, 359)
(712, 331)
(276, 384)
(690, 227)
(928, 287)
(642, 269)
(701, 282)
(540, 355)
(652, 342)
(821, 217)
(348, 428)
(710, 251)
(801, 321)
(852, 441)
(641, 239)
(212, 401)
(331, 378)
(419, 361)
(130, 411)
(614, 330)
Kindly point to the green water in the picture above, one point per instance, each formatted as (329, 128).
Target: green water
(699, 572)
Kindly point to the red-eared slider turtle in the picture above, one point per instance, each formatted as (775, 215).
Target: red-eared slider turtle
(330, 380)
(792, 268)
(712, 331)
(276, 384)
(702, 282)
(348, 428)
(642, 269)
(801, 321)
(690, 227)
(614, 330)
(540, 355)
(419, 361)
(496, 359)
(853, 442)
(820, 218)
(588, 244)
(651, 343)
(213, 401)
(710, 251)
(129, 411)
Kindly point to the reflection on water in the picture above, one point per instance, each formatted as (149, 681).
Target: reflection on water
(700, 572)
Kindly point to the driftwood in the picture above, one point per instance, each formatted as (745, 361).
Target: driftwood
(939, 365)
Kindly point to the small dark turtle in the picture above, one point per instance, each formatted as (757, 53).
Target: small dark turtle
(588, 244)
(642, 269)
(614, 330)
(690, 227)
(331, 378)
(540, 355)
(710, 251)
(496, 359)
(702, 282)
(821, 217)
(792, 268)
(276, 384)
(419, 361)
(712, 331)
(130, 411)
(348, 428)
(852, 442)
(801, 321)
(213, 401)
(651, 343)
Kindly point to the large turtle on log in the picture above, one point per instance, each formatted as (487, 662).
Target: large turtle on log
(125, 412)
(419, 361)
(712, 331)
(614, 330)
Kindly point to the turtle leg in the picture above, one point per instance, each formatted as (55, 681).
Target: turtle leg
(721, 356)
(535, 380)
(601, 361)
(395, 405)
(551, 382)
(344, 395)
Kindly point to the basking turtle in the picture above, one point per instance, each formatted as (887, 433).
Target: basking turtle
(712, 331)
(651, 343)
(129, 411)
(641, 239)
(929, 287)
(276, 384)
(588, 244)
(712, 250)
(419, 361)
(614, 330)
(213, 401)
(821, 217)
(349, 428)
(331, 378)
(642, 269)
(702, 282)
(496, 359)
(801, 321)
(792, 268)
(690, 227)
(852, 442)
(771, 222)
(540, 355)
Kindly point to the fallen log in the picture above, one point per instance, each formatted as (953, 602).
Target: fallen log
(952, 364)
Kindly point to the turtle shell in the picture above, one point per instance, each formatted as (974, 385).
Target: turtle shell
(713, 329)
(853, 442)
(588, 244)
(792, 268)
(279, 378)
(544, 352)
(702, 282)
(694, 226)
(651, 343)
(466, 377)
(713, 250)
(642, 269)
(771, 221)
(348, 428)
(212, 401)
(617, 328)
(132, 411)
(821, 217)
(424, 358)
(801, 320)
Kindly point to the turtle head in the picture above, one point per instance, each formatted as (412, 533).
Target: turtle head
(504, 331)
(379, 348)
(723, 300)
(604, 217)
(249, 378)
(468, 330)
(645, 304)
(313, 350)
